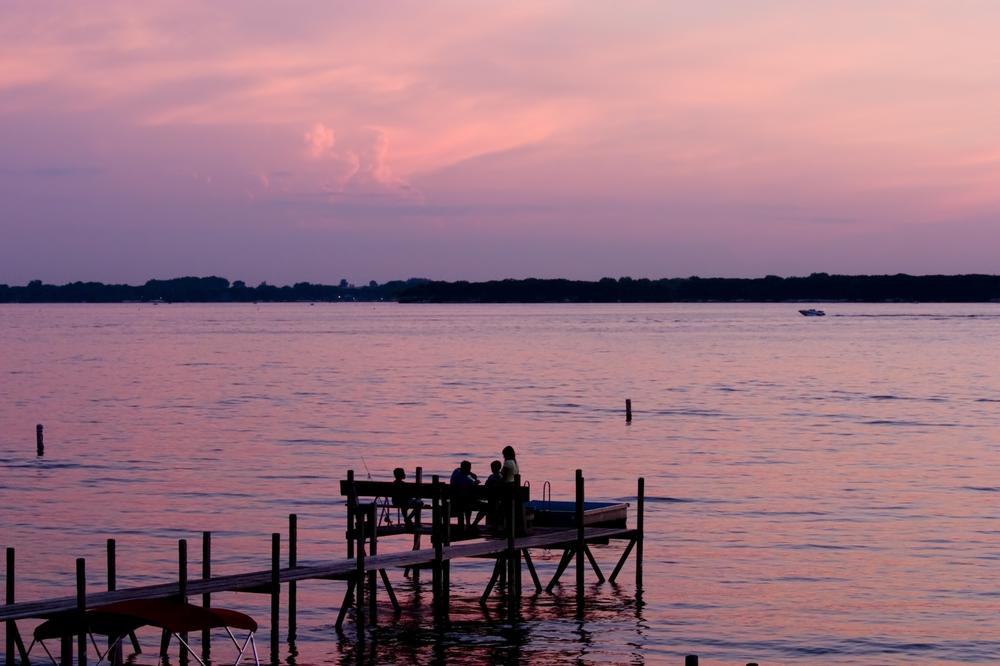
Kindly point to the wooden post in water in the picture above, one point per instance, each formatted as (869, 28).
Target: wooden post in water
(446, 564)
(691, 660)
(640, 509)
(436, 579)
(182, 578)
(293, 561)
(372, 530)
(511, 553)
(518, 530)
(39, 442)
(9, 645)
(628, 410)
(580, 543)
(275, 592)
(112, 566)
(351, 502)
(206, 598)
(417, 519)
(114, 654)
(359, 574)
(81, 609)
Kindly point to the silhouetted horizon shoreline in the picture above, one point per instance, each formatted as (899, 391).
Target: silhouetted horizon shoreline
(817, 287)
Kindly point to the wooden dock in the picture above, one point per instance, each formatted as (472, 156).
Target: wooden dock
(361, 569)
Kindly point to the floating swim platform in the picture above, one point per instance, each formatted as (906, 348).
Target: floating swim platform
(563, 514)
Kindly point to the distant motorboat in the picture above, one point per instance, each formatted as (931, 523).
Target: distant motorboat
(812, 312)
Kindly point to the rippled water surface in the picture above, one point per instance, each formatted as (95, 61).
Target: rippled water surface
(820, 490)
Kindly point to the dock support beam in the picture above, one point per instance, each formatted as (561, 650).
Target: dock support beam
(114, 655)
(275, 593)
(581, 544)
(372, 528)
(436, 571)
(293, 561)
(640, 501)
(206, 599)
(9, 644)
(511, 554)
(359, 574)
(519, 530)
(13, 636)
(81, 608)
(567, 557)
(446, 564)
(531, 570)
(182, 577)
(352, 502)
(417, 522)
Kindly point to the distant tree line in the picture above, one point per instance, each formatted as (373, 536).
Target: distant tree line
(200, 290)
(816, 287)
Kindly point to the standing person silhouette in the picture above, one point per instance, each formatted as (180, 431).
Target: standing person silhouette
(509, 469)
(510, 474)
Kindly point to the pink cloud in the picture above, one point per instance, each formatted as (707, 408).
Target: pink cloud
(319, 140)
(745, 118)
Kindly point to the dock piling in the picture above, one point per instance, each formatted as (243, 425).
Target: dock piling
(640, 508)
(293, 561)
(691, 660)
(275, 592)
(628, 410)
(81, 608)
(14, 641)
(359, 585)
(112, 565)
(446, 564)
(417, 522)
(352, 500)
(182, 577)
(206, 598)
(372, 520)
(9, 572)
(581, 544)
(518, 529)
(39, 440)
(509, 557)
(438, 546)
(114, 656)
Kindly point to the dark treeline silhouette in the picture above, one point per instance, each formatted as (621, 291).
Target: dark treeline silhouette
(816, 287)
(200, 290)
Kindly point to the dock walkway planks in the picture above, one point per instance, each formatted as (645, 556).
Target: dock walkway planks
(333, 569)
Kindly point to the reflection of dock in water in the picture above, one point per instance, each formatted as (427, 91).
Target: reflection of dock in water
(523, 526)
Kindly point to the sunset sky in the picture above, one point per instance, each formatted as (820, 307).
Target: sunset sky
(290, 141)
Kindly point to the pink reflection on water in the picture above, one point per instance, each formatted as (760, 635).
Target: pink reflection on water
(837, 477)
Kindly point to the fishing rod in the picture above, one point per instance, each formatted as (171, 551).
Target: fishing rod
(384, 513)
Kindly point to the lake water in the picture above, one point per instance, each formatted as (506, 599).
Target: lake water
(819, 490)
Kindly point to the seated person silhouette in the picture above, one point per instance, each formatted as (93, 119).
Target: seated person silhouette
(408, 506)
(497, 475)
(494, 480)
(463, 477)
